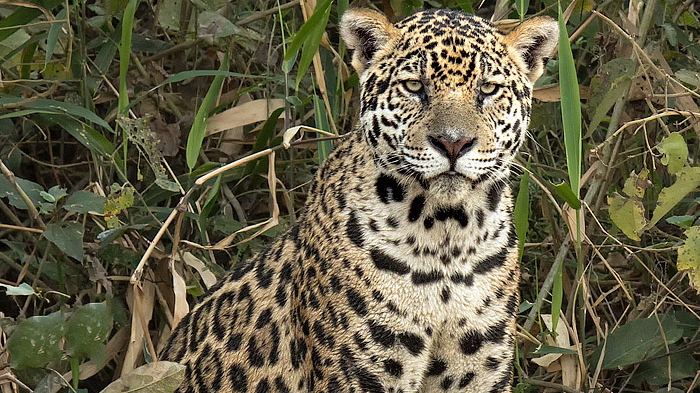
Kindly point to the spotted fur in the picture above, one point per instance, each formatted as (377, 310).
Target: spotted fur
(401, 275)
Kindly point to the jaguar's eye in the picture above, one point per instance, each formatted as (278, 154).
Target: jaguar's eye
(489, 88)
(413, 85)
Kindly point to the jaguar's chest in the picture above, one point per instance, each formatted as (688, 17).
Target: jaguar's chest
(438, 265)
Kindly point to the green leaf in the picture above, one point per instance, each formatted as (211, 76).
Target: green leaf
(302, 35)
(23, 16)
(564, 191)
(54, 194)
(109, 235)
(185, 75)
(466, 6)
(314, 39)
(125, 53)
(34, 343)
(30, 188)
(628, 215)
(321, 121)
(156, 377)
(54, 31)
(570, 107)
(689, 256)
(687, 179)
(655, 372)
(684, 221)
(84, 202)
(522, 210)
(56, 107)
(199, 126)
(636, 341)
(545, 349)
(309, 35)
(86, 331)
(618, 88)
(557, 296)
(675, 152)
(263, 141)
(68, 237)
(23, 289)
(84, 134)
(521, 6)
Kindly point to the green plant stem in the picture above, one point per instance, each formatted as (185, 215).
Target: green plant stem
(552, 385)
(75, 371)
(548, 282)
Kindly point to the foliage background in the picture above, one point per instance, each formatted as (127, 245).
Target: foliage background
(100, 144)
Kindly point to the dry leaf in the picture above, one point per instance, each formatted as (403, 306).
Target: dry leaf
(180, 292)
(207, 276)
(570, 219)
(566, 363)
(140, 299)
(552, 93)
(244, 114)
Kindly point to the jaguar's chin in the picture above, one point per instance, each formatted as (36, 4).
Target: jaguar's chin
(449, 183)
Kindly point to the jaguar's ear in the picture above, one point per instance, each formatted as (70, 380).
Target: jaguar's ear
(365, 32)
(533, 42)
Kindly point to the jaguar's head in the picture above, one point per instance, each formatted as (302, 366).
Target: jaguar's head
(445, 96)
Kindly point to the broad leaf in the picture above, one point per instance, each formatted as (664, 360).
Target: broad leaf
(85, 202)
(68, 237)
(636, 341)
(156, 377)
(564, 191)
(30, 188)
(34, 343)
(627, 212)
(23, 289)
(656, 371)
(628, 215)
(687, 179)
(689, 256)
(86, 331)
(675, 152)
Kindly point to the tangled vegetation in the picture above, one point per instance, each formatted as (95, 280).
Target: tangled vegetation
(113, 115)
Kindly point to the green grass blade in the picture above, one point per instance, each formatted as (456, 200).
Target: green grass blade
(313, 40)
(522, 6)
(124, 54)
(22, 16)
(321, 120)
(522, 210)
(307, 28)
(52, 38)
(557, 297)
(199, 127)
(570, 107)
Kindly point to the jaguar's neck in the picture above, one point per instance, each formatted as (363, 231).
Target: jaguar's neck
(399, 216)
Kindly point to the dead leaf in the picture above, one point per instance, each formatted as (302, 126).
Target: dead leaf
(156, 377)
(140, 299)
(566, 363)
(244, 114)
(570, 218)
(97, 272)
(180, 292)
(207, 276)
(552, 93)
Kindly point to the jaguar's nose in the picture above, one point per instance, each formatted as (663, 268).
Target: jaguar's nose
(452, 149)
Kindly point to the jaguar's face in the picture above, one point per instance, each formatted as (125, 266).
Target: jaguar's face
(445, 97)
